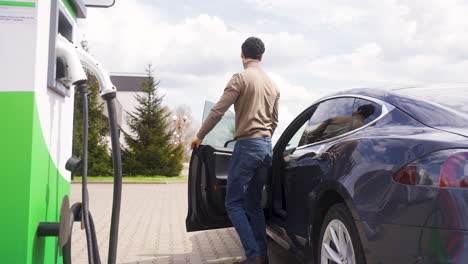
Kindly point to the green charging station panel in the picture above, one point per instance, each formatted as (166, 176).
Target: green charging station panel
(36, 134)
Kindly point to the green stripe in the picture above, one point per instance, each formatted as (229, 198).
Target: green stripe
(70, 8)
(20, 4)
(31, 188)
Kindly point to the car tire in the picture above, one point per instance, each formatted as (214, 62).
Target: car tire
(338, 226)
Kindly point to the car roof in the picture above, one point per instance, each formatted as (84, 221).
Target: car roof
(383, 91)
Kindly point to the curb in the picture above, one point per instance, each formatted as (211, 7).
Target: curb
(132, 182)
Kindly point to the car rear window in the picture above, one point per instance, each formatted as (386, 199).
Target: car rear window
(374, 110)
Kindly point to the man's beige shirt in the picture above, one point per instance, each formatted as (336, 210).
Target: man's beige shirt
(255, 97)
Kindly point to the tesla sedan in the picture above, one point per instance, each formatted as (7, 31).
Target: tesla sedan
(361, 176)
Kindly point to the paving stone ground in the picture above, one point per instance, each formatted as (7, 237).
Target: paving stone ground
(152, 229)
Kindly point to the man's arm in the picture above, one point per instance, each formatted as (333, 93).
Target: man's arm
(274, 119)
(229, 97)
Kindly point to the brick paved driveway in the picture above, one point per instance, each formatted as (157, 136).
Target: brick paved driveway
(152, 228)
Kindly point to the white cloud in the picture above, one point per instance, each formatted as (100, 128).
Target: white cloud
(403, 31)
(194, 58)
(362, 64)
(312, 46)
(293, 100)
(313, 13)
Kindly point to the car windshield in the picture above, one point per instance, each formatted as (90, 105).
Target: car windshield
(454, 98)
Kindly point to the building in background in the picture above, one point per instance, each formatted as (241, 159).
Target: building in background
(128, 86)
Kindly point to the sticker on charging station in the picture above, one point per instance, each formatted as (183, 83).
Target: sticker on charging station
(18, 12)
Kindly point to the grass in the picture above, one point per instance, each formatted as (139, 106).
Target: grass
(156, 178)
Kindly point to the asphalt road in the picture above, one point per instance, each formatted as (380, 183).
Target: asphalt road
(152, 229)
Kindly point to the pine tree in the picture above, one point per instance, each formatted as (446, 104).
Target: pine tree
(99, 160)
(149, 149)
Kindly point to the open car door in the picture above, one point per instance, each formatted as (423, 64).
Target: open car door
(207, 188)
(208, 174)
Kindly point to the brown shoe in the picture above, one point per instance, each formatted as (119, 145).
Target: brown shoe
(255, 260)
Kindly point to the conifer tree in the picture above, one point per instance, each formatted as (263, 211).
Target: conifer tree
(149, 149)
(99, 160)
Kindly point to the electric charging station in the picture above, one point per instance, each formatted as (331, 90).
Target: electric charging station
(38, 77)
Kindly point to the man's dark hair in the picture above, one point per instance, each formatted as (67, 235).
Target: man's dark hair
(366, 110)
(253, 48)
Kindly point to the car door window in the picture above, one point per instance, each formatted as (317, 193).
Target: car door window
(223, 131)
(294, 142)
(366, 110)
(332, 118)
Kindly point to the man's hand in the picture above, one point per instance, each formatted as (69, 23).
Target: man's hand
(196, 143)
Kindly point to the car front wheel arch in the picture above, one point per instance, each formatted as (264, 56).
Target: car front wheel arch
(339, 238)
(319, 209)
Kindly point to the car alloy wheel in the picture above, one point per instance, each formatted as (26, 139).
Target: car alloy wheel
(339, 241)
(337, 246)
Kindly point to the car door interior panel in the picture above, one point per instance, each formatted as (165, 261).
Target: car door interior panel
(207, 188)
(221, 167)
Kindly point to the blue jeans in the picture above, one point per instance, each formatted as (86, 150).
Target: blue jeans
(246, 177)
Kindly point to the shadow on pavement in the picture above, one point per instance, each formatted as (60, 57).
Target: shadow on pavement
(276, 255)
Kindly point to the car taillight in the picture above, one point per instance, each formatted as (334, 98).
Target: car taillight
(446, 168)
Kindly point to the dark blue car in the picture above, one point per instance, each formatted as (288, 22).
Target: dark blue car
(362, 176)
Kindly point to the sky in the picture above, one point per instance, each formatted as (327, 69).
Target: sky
(313, 48)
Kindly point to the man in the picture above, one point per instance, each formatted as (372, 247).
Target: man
(255, 98)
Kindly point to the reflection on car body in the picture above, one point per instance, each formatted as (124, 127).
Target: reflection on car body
(382, 173)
